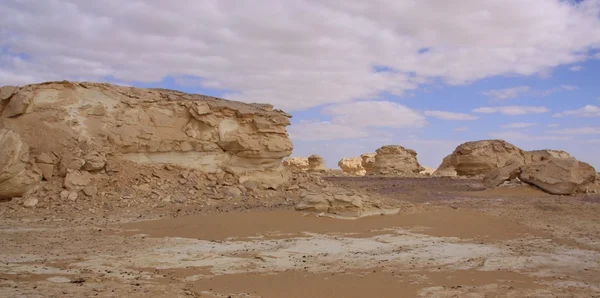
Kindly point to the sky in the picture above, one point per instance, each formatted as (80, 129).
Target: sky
(355, 75)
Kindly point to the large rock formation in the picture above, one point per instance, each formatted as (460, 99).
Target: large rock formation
(17, 172)
(296, 163)
(481, 157)
(396, 160)
(559, 176)
(147, 126)
(91, 127)
(316, 163)
(352, 166)
(368, 161)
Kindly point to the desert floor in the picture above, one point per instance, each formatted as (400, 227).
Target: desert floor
(457, 240)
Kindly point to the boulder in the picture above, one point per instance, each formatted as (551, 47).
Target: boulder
(17, 174)
(498, 176)
(396, 160)
(445, 169)
(30, 202)
(316, 163)
(368, 161)
(296, 163)
(93, 161)
(7, 92)
(77, 180)
(481, 157)
(559, 176)
(352, 166)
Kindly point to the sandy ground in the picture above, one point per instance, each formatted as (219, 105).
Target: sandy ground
(458, 241)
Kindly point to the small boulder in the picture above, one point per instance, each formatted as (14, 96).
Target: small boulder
(498, 176)
(316, 163)
(352, 166)
(47, 170)
(77, 180)
(90, 190)
(559, 176)
(94, 161)
(30, 203)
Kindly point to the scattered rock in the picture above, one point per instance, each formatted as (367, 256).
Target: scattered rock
(64, 194)
(559, 176)
(352, 166)
(231, 192)
(47, 170)
(76, 180)
(90, 190)
(94, 161)
(73, 196)
(30, 203)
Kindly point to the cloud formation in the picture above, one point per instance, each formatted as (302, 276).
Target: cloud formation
(511, 110)
(294, 54)
(586, 111)
(507, 93)
(519, 125)
(444, 115)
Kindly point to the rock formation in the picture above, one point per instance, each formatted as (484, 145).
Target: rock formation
(316, 163)
(481, 157)
(427, 171)
(336, 203)
(559, 176)
(396, 160)
(296, 163)
(352, 166)
(18, 174)
(445, 169)
(542, 155)
(368, 161)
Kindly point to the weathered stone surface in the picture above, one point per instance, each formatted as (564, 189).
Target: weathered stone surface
(316, 163)
(335, 202)
(481, 157)
(352, 166)
(90, 190)
(498, 176)
(368, 161)
(94, 161)
(396, 160)
(77, 180)
(45, 158)
(445, 169)
(7, 91)
(559, 176)
(146, 126)
(30, 202)
(296, 163)
(427, 171)
(17, 176)
(542, 155)
(47, 170)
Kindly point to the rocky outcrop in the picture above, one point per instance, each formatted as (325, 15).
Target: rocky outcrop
(296, 163)
(316, 163)
(368, 161)
(559, 176)
(427, 171)
(396, 160)
(542, 155)
(352, 166)
(18, 174)
(336, 203)
(481, 157)
(445, 169)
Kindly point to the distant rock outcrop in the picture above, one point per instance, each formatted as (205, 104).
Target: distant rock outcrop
(445, 169)
(396, 160)
(481, 157)
(296, 163)
(352, 166)
(367, 162)
(559, 176)
(316, 163)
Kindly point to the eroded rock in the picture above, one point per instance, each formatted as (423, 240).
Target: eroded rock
(559, 176)
(17, 175)
(352, 166)
(368, 161)
(296, 163)
(481, 157)
(396, 160)
(316, 163)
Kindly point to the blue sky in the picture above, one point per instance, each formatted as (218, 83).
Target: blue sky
(427, 74)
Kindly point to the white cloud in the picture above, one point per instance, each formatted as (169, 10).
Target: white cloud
(516, 136)
(294, 54)
(553, 125)
(519, 125)
(511, 110)
(586, 111)
(551, 91)
(444, 115)
(576, 68)
(507, 93)
(461, 128)
(586, 130)
(354, 120)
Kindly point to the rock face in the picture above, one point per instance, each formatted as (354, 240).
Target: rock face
(316, 163)
(542, 155)
(89, 121)
(352, 166)
(445, 169)
(396, 160)
(368, 161)
(481, 157)
(559, 176)
(296, 163)
(18, 175)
